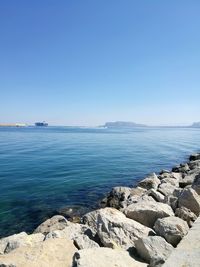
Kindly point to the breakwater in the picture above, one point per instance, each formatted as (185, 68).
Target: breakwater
(135, 226)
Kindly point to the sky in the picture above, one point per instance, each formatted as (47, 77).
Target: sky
(75, 62)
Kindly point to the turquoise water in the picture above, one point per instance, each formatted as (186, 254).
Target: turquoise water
(44, 169)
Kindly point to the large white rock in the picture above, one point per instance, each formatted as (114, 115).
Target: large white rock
(115, 230)
(52, 252)
(190, 199)
(153, 248)
(147, 212)
(166, 189)
(172, 229)
(150, 182)
(57, 222)
(105, 257)
(12, 242)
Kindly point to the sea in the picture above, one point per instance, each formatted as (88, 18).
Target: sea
(45, 169)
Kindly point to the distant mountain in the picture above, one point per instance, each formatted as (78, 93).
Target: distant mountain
(123, 124)
(196, 125)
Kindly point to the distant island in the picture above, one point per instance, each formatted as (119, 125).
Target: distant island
(196, 125)
(123, 124)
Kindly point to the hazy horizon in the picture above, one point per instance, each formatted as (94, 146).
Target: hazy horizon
(87, 62)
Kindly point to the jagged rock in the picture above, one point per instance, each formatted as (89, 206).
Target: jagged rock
(149, 182)
(156, 195)
(177, 192)
(190, 199)
(194, 164)
(57, 222)
(102, 257)
(171, 201)
(171, 228)
(147, 212)
(166, 189)
(196, 184)
(170, 175)
(115, 230)
(12, 242)
(153, 249)
(171, 181)
(189, 178)
(51, 252)
(194, 157)
(116, 197)
(183, 168)
(186, 215)
(82, 235)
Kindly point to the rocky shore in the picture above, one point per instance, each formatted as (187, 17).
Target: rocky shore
(139, 226)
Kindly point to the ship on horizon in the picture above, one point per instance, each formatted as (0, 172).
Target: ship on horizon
(42, 124)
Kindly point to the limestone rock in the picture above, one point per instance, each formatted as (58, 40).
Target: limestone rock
(156, 195)
(102, 257)
(115, 230)
(153, 248)
(166, 189)
(196, 184)
(57, 222)
(147, 212)
(51, 252)
(12, 242)
(186, 215)
(82, 235)
(172, 229)
(190, 199)
(151, 181)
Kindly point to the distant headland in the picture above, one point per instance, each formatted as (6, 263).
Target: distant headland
(123, 124)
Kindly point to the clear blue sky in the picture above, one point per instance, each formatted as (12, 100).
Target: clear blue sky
(84, 62)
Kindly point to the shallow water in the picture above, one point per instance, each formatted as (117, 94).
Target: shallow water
(44, 169)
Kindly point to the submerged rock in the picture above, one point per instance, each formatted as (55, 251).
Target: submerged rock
(153, 249)
(172, 229)
(147, 212)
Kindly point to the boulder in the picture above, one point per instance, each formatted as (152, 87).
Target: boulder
(12, 242)
(194, 157)
(171, 181)
(57, 222)
(147, 212)
(102, 257)
(190, 199)
(156, 195)
(186, 215)
(153, 248)
(150, 182)
(170, 175)
(183, 168)
(166, 189)
(82, 235)
(51, 252)
(171, 201)
(196, 184)
(117, 197)
(115, 230)
(194, 164)
(172, 229)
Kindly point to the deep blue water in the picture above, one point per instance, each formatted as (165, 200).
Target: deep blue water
(44, 169)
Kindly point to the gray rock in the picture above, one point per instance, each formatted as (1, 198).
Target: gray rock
(166, 189)
(156, 195)
(102, 257)
(194, 164)
(153, 249)
(186, 215)
(171, 181)
(57, 222)
(196, 184)
(190, 199)
(147, 212)
(194, 157)
(183, 168)
(171, 228)
(150, 182)
(115, 230)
